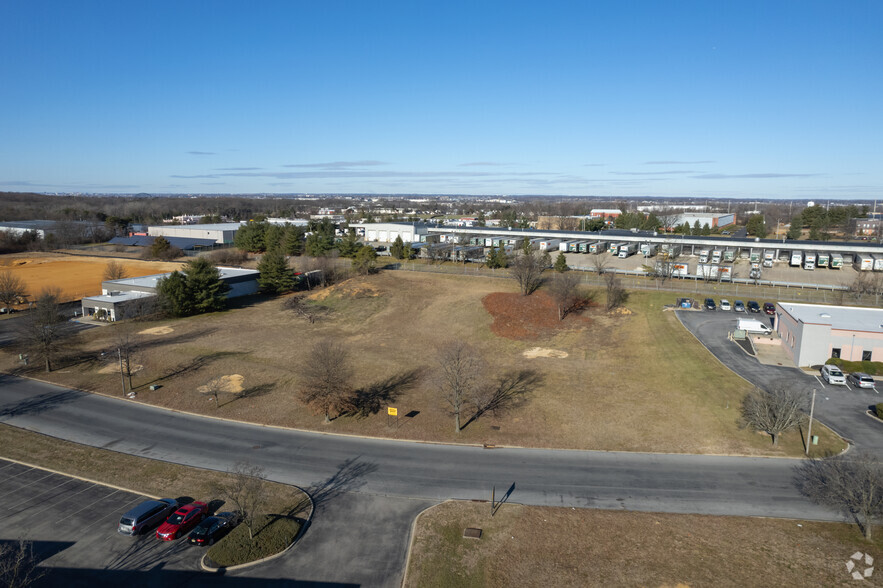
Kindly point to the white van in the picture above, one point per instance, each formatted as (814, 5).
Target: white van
(753, 326)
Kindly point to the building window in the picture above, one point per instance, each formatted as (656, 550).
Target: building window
(866, 356)
(835, 353)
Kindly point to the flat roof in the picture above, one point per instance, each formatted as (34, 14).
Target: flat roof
(151, 281)
(119, 296)
(849, 318)
(209, 227)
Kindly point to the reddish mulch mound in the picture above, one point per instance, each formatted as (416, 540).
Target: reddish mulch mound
(527, 317)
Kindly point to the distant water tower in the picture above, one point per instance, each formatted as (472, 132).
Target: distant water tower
(810, 204)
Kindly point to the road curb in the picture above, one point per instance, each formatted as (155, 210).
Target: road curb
(414, 535)
(300, 533)
(81, 478)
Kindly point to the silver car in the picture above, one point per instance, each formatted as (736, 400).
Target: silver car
(860, 380)
(146, 515)
(833, 375)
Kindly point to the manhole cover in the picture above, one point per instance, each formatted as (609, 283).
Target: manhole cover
(472, 533)
(495, 427)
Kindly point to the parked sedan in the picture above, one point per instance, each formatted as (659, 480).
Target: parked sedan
(725, 304)
(709, 304)
(213, 528)
(769, 308)
(739, 306)
(184, 519)
(833, 375)
(753, 306)
(860, 380)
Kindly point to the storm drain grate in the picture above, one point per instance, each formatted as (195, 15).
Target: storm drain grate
(472, 533)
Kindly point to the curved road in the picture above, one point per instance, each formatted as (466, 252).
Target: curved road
(331, 464)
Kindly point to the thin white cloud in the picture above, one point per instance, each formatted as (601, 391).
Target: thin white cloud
(761, 176)
(201, 153)
(338, 164)
(671, 162)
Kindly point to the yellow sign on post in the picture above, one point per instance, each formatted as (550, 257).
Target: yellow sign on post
(392, 411)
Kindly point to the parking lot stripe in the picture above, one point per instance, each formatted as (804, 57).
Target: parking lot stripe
(32, 482)
(51, 505)
(116, 513)
(820, 381)
(38, 495)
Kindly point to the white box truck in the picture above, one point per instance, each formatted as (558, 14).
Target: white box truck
(716, 256)
(796, 258)
(769, 256)
(809, 261)
(836, 261)
(648, 249)
(863, 262)
(549, 244)
(753, 326)
(703, 256)
(878, 262)
(822, 260)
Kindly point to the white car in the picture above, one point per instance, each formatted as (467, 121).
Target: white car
(725, 304)
(833, 375)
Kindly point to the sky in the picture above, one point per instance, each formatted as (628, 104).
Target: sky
(750, 99)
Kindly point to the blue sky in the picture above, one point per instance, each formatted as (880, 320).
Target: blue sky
(707, 99)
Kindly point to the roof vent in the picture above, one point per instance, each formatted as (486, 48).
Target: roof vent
(824, 315)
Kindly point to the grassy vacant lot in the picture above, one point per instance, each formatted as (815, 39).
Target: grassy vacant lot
(542, 546)
(634, 381)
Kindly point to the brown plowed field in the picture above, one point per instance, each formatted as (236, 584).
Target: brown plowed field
(527, 318)
(75, 276)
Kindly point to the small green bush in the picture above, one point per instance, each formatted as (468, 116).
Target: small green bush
(273, 533)
(872, 368)
(879, 409)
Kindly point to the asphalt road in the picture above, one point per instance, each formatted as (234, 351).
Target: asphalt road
(330, 463)
(840, 407)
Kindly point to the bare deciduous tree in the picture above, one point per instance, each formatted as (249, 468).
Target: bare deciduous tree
(325, 377)
(18, 564)
(600, 262)
(127, 343)
(459, 376)
(299, 307)
(114, 270)
(41, 330)
(851, 483)
(616, 293)
(527, 270)
(564, 290)
(866, 284)
(12, 289)
(213, 389)
(245, 489)
(774, 411)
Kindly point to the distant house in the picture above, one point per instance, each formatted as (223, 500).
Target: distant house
(125, 298)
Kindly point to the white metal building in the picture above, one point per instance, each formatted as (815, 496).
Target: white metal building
(120, 299)
(387, 232)
(813, 333)
(712, 219)
(221, 233)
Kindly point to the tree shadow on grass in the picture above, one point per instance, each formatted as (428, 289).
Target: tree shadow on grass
(190, 366)
(252, 392)
(509, 392)
(371, 399)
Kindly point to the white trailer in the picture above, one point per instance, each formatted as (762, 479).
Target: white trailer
(707, 271)
(822, 260)
(729, 254)
(809, 261)
(796, 258)
(648, 249)
(878, 262)
(573, 246)
(549, 244)
(836, 261)
(863, 262)
(597, 247)
(613, 248)
(628, 249)
(726, 273)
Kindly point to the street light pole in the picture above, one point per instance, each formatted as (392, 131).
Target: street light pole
(122, 376)
(812, 408)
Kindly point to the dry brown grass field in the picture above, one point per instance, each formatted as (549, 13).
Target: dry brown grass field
(543, 546)
(635, 381)
(75, 276)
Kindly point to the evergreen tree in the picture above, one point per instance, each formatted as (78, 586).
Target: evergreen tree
(365, 260)
(293, 240)
(706, 230)
(794, 231)
(756, 226)
(196, 289)
(497, 257)
(174, 295)
(686, 228)
(349, 245)
(561, 263)
(697, 228)
(397, 249)
(481, 221)
(250, 237)
(275, 276)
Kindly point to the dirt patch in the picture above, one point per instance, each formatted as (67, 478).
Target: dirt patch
(527, 317)
(157, 331)
(347, 289)
(114, 368)
(231, 384)
(543, 352)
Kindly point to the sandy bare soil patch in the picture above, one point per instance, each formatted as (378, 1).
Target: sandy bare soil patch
(75, 276)
(542, 352)
(114, 368)
(164, 330)
(231, 384)
(543, 546)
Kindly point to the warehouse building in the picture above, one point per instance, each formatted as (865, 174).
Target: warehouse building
(220, 233)
(813, 333)
(125, 298)
(712, 219)
(387, 232)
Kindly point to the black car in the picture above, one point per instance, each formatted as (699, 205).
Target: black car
(753, 306)
(709, 304)
(213, 528)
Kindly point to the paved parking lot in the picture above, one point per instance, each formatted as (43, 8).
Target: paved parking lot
(840, 407)
(72, 524)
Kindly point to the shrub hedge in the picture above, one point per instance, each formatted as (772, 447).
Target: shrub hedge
(872, 368)
(879, 408)
(273, 533)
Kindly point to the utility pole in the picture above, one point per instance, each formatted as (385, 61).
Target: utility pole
(812, 408)
(122, 376)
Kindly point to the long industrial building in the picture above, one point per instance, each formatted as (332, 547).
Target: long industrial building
(220, 233)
